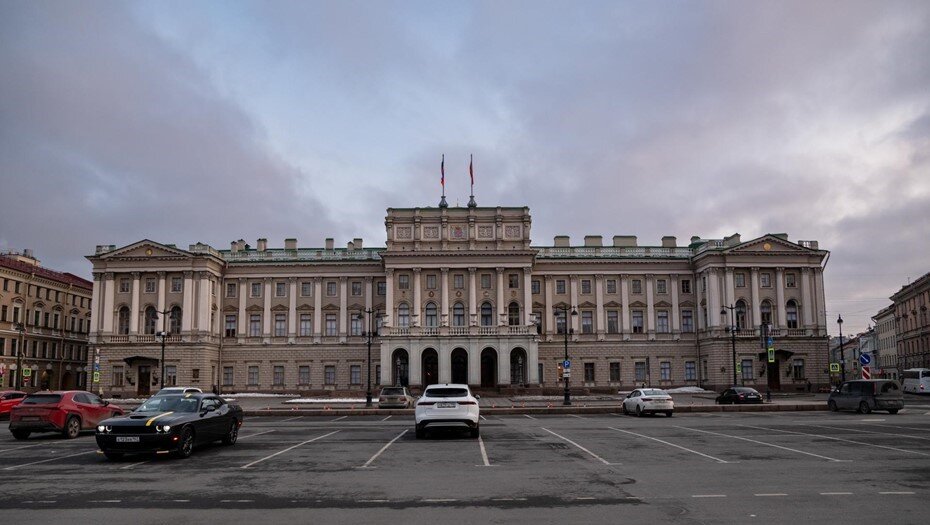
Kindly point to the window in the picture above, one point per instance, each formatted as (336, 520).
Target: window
(587, 322)
(740, 278)
(253, 376)
(403, 281)
(118, 375)
(486, 281)
(256, 289)
(586, 286)
(790, 281)
(177, 285)
(513, 314)
(687, 321)
(534, 286)
(255, 325)
(614, 372)
(174, 320)
(306, 289)
(458, 314)
(458, 281)
(639, 371)
(280, 325)
(305, 326)
(4, 310)
(613, 322)
(560, 322)
(171, 375)
(637, 321)
(766, 279)
(662, 322)
(382, 287)
(741, 315)
(612, 287)
(123, 322)
(589, 372)
(747, 369)
(231, 289)
(403, 315)
(665, 371)
(355, 375)
(149, 287)
(355, 325)
(690, 371)
(560, 286)
(791, 314)
(150, 319)
(431, 281)
(331, 324)
(123, 286)
(539, 369)
(227, 376)
(2, 349)
(797, 369)
(487, 314)
(331, 288)
(231, 325)
(513, 280)
(661, 286)
(195, 374)
(357, 288)
(280, 289)
(637, 286)
(278, 375)
(766, 312)
(303, 375)
(329, 375)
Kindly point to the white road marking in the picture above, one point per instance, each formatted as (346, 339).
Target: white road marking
(905, 428)
(290, 419)
(135, 464)
(871, 420)
(484, 453)
(839, 439)
(773, 494)
(576, 415)
(584, 498)
(592, 454)
(440, 500)
(52, 459)
(41, 501)
(106, 501)
(181, 500)
(872, 432)
(385, 419)
(20, 448)
(237, 500)
(836, 493)
(894, 493)
(767, 444)
(338, 418)
(287, 449)
(256, 434)
(484, 418)
(529, 416)
(374, 500)
(386, 445)
(708, 495)
(673, 445)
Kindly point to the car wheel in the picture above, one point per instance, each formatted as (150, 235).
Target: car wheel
(623, 409)
(113, 456)
(892, 411)
(419, 432)
(475, 432)
(72, 427)
(21, 434)
(832, 406)
(864, 408)
(233, 434)
(668, 414)
(639, 411)
(186, 444)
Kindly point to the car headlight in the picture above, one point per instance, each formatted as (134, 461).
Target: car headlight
(104, 429)
(163, 428)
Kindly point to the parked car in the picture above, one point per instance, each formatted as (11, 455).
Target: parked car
(866, 395)
(9, 399)
(739, 395)
(648, 401)
(395, 397)
(447, 405)
(169, 390)
(172, 424)
(68, 412)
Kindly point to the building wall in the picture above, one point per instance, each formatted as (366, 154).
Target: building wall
(912, 324)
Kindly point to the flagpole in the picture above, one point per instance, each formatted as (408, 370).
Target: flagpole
(471, 174)
(442, 181)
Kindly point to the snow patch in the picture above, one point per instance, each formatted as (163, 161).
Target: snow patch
(687, 390)
(326, 400)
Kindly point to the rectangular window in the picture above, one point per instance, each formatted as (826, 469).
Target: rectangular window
(355, 375)
(280, 325)
(171, 375)
(231, 325)
(614, 372)
(665, 371)
(177, 285)
(231, 290)
(3, 312)
(280, 289)
(513, 280)
(331, 289)
(534, 286)
(687, 321)
(431, 281)
(586, 286)
(278, 375)
(303, 375)
(118, 375)
(2, 349)
(256, 289)
(587, 322)
(766, 279)
(149, 287)
(403, 281)
(560, 322)
(662, 322)
(382, 287)
(613, 322)
(747, 369)
(637, 286)
(195, 374)
(639, 371)
(540, 369)
(357, 288)
(458, 281)
(560, 286)
(790, 281)
(612, 286)
(637, 321)
(661, 286)
(253, 376)
(305, 326)
(740, 278)
(329, 375)
(797, 369)
(306, 289)
(331, 325)
(124, 286)
(255, 325)
(589, 372)
(690, 371)
(356, 326)
(486, 281)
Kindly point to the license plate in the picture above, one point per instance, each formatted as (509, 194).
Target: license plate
(445, 405)
(127, 439)
(29, 418)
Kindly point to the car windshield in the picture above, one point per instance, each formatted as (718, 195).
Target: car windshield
(169, 404)
(41, 399)
(446, 392)
(392, 391)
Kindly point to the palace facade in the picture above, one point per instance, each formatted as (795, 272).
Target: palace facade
(460, 295)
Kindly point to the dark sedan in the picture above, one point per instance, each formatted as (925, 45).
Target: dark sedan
(739, 395)
(171, 424)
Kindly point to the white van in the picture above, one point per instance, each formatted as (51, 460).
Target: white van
(916, 380)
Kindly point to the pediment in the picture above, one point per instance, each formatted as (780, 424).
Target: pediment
(587, 305)
(148, 249)
(254, 308)
(637, 304)
(305, 308)
(230, 308)
(355, 307)
(279, 308)
(330, 308)
(687, 304)
(767, 244)
(612, 304)
(663, 304)
(537, 304)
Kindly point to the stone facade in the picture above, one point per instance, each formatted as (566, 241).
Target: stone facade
(460, 295)
(912, 324)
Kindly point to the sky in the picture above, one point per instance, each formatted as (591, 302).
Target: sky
(187, 122)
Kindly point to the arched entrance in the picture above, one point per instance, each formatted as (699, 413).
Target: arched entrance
(518, 367)
(400, 361)
(430, 367)
(488, 368)
(460, 366)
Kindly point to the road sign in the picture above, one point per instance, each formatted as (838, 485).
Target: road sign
(835, 368)
(865, 359)
(770, 342)
(567, 374)
(866, 372)
(27, 372)
(96, 377)
(739, 368)
(771, 355)
(567, 363)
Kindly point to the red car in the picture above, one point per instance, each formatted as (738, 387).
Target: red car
(9, 399)
(68, 412)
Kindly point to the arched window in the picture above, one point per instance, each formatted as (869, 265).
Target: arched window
(458, 314)
(513, 314)
(791, 314)
(174, 323)
(123, 322)
(403, 315)
(766, 311)
(432, 320)
(487, 314)
(740, 315)
(151, 320)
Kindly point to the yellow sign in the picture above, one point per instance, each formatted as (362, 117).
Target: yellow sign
(834, 368)
(27, 372)
(96, 377)
(771, 354)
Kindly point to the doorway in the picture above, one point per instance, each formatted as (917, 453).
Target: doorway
(488, 368)
(144, 383)
(430, 367)
(400, 361)
(518, 367)
(460, 366)
(774, 379)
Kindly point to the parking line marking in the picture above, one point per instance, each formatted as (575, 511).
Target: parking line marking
(839, 439)
(22, 447)
(576, 415)
(290, 419)
(905, 428)
(592, 454)
(439, 500)
(773, 494)
(288, 448)
(135, 464)
(338, 418)
(256, 434)
(767, 444)
(181, 500)
(51, 459)
(374, 500)
(708, 495)
(673, 445)
(872, 432)
(529, 416)
(585, 498)
(106, 501)
(836, 493)
(385, 419)
(896, 493)
(484, 418)
(386, 445)
(484, 453)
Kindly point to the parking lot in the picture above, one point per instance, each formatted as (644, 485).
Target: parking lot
(733, 467)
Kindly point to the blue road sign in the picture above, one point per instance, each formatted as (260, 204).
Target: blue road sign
(865, 359)
(566, 364)
(770, 341)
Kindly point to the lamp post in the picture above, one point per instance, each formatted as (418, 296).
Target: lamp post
(21, 328)
(732, 330)
(163, 335)
(839, 321)
(565, 309)
(370, 313)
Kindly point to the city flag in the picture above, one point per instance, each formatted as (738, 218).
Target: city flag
(471, 173)
(442, 172)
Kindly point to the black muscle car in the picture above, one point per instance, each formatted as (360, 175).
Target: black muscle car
(170, 424)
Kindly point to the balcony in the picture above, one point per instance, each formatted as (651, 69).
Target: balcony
(459, 331)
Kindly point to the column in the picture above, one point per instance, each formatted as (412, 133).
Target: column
(780, 296)
(700, 323)
(807, 308)
(713, 298)
(343, 307)
(134, 309)
(625, 298)
(445, 363)
(650, 305)
(292, 309)
(528, 296)
(162, 290)
(676, 314)
(389, 301)
(573, 319)
(387, 367)
(501, 307)
(266, 313)
(243, 315)
(503, 367)
(756, 301)
(444, 297)
(203, 302)
(95, 305)
(414, 363)
(729, 289)
(532, 362)
(474, 364)
(550, 312)
(109, 297)
(187, 303)
(820, 315)
(317, 309)
(472, 298)
(600, 320)
(417, 305)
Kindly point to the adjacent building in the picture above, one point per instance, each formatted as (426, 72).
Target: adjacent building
(885, 344)
(460, 295)
(44, 323)
(912, 324)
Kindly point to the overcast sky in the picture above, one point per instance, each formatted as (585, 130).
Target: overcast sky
(201, 121)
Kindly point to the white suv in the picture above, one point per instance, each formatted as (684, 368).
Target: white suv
(447, 405)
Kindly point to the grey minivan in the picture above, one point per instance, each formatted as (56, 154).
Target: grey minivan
(866, 395)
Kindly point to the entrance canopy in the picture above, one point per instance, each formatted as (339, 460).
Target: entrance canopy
(140, 360)
(779, 354)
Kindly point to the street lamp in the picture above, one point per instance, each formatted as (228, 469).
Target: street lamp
(732, 330)
(370, 313)
(839, 321)
(21, 328)
(163, 335)
(565, 309)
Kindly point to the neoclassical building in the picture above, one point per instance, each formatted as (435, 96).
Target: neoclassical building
(460, 295)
